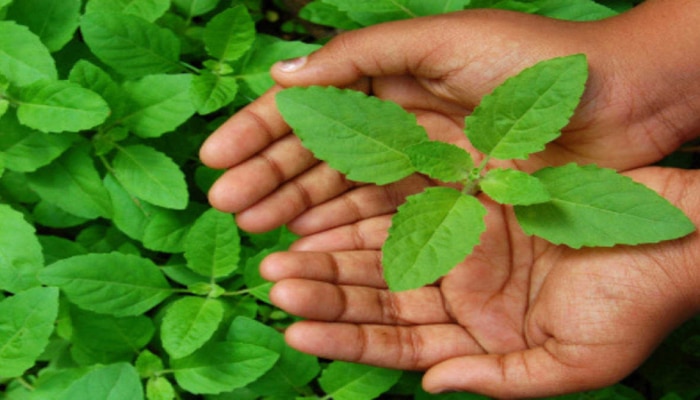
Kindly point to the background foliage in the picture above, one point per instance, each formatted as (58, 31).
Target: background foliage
(117, 281)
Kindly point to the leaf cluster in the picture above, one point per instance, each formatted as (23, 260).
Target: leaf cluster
(376, 141)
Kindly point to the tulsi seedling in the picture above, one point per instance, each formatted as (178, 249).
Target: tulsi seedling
(376, 141)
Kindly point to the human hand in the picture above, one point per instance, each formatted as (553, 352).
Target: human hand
(519, 318)
(439, 68)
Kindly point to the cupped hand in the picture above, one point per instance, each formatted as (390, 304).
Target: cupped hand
(520, 317)
(439, 68)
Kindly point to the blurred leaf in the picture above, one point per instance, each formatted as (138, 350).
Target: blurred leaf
(23, 58)
(348, 381)
(26, 322)
(55, 24)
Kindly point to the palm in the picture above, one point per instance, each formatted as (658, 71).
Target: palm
(516, 302)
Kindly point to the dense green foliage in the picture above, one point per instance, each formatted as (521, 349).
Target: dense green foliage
(117, 280)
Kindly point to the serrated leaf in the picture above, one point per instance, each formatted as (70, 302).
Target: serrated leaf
(26, 322)
(72, 183)
(430, 234)
(24, 59)
(213, 245)
(581, 10)
(361, 136)
(229, 34)
(508, 186)
(293, 369)
(211, 92)
(189, 323)
(594, 206)
(131, 45)
(442, 161)
(114, 283)
(25, 149)
(150, 10)
(151, 176)
(528, 110)
(222, 367)
(55, 24)
(60, 106)
(348, 381)
(159, 104)
(109, 382)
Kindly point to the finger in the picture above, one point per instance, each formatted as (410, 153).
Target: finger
(398, 347)
(358, 268)
(359, 304)
(532, 373)
(248, 182)
(244, 134)
(289, 200)
(367, 234)
(356, 205)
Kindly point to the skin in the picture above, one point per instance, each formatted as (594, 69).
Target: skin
(549, 321)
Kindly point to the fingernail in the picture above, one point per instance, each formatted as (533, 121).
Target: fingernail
(292, 64)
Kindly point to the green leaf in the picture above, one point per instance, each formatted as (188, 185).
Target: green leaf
(59, 106)
(23, 58)
(210, 92)
(321, 13)
(92, 77)
(528, 110)
(159, 104)
(213, 245)
(131, 45)
(222, 367)
(361, 136)
(508, 186)
(73, 184)
(188, 323)
(105, 339)
(151, 176)
(594, 206)
(50, 215)
(150, 10)
(230, 34)
(26, 322)
(348, 381)
(130, 215)
(109, 382)
(254, 69)
(430, 234)
(55, 24)
(194, 8)
(581, 10)
(292, 371)
(160, 388)
(115, 283)
(167, 230)
(20, 252)
(442, 161)
(25, 150)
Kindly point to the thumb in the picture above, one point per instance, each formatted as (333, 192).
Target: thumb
(531, 373)
(431, 48)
